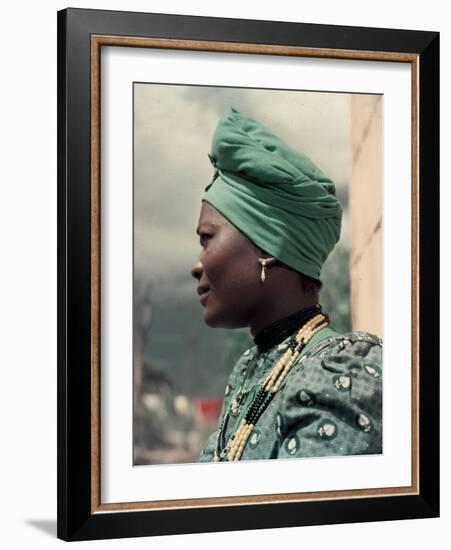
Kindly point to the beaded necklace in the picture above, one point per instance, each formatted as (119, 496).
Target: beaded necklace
(280, 330)
(237, 442)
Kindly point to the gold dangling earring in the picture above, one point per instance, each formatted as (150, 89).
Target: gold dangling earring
(264, 262)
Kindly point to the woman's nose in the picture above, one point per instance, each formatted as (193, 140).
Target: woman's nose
(196, 271)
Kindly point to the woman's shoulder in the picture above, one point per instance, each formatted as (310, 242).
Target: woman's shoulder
(339, 364)
(332, 399)
(352, 360)
(357, 343)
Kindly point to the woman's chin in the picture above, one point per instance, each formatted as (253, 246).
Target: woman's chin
(212, 317)
(214, 320)
(211, 320)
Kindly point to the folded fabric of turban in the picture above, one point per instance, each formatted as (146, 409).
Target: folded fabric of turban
(273, 194)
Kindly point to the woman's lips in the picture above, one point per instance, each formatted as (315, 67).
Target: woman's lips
(204, 297)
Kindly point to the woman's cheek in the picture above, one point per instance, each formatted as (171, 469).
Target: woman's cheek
(212, 267)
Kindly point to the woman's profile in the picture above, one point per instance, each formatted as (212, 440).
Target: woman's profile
(268, 220)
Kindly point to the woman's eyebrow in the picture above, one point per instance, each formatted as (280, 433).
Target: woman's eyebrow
(202, 224)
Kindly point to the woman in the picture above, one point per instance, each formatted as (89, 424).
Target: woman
(269, 219)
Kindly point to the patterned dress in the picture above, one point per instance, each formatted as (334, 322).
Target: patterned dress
(329, 404)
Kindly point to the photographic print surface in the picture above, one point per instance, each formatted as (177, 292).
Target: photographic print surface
(187, 375)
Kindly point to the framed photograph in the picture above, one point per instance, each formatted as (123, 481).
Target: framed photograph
(248, 274)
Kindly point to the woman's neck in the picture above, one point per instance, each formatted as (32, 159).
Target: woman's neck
(270, 314)
(281, 329)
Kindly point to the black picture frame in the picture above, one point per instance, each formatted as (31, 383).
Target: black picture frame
(80, 517)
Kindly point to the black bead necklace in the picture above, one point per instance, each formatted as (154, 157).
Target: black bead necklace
(278, 331)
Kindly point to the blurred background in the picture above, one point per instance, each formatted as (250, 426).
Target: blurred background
(181, 366)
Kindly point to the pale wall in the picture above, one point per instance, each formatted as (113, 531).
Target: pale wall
(365, 205)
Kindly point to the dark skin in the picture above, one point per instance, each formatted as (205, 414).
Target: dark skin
(229, 270)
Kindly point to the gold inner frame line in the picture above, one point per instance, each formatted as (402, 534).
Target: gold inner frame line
(97, 41)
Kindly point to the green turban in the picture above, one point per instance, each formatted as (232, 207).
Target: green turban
(274, 195)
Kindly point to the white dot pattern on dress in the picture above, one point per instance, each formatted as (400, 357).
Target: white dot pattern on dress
(292, 445)
(364, 422)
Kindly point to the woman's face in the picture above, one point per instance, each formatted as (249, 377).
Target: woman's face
(227, 271)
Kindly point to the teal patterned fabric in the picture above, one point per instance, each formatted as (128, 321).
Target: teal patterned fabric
(330, 403)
